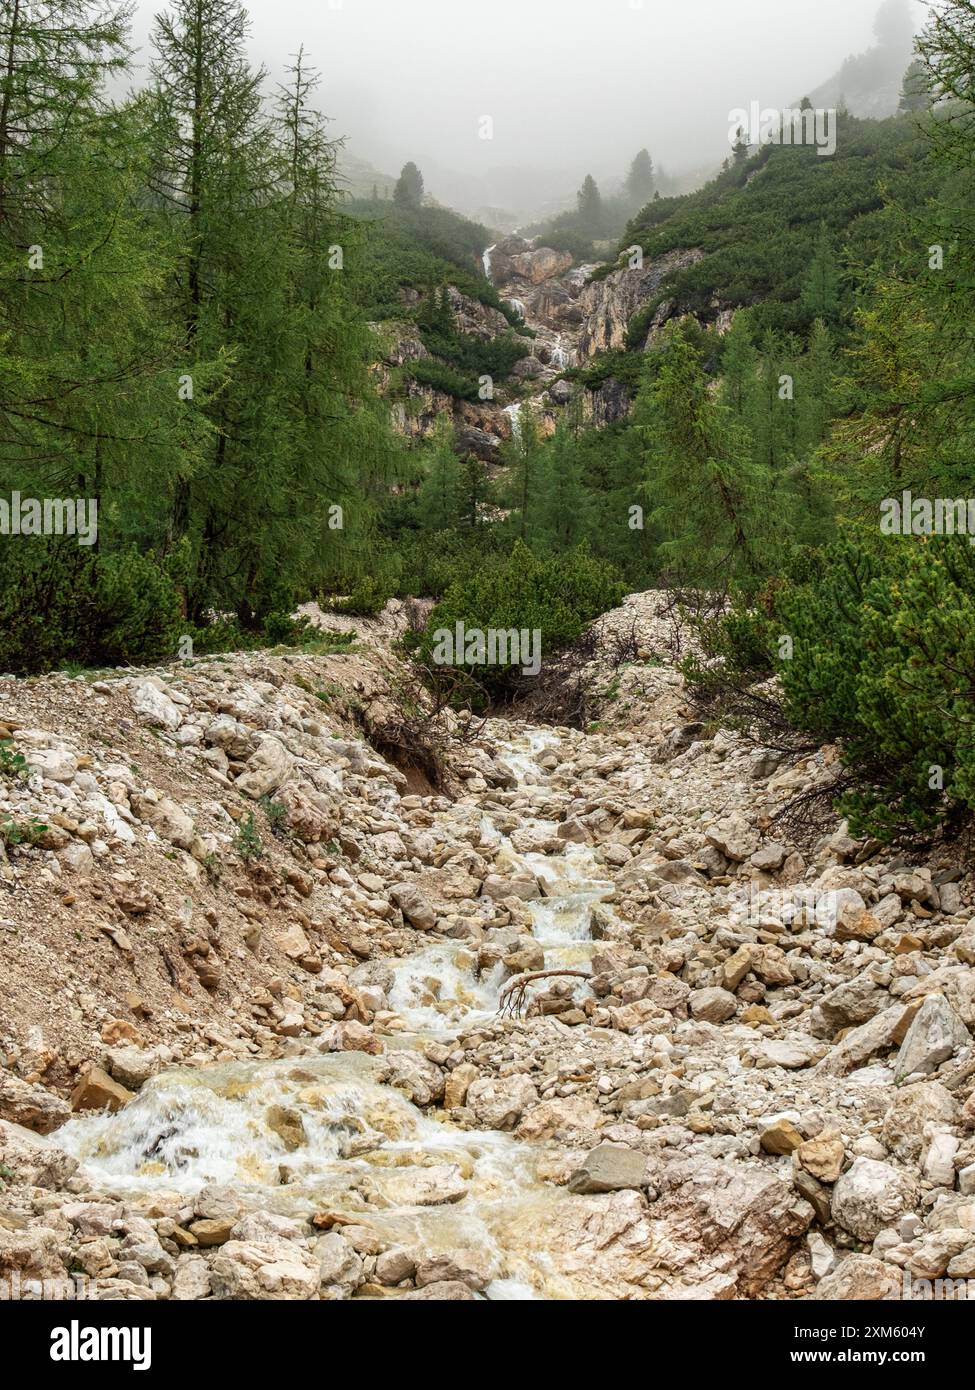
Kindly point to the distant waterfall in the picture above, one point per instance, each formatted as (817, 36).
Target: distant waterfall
(486, 261)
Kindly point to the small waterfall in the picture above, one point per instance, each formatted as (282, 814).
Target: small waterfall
(486, 261)
(518, 305)
(560, 357)
(513, 413)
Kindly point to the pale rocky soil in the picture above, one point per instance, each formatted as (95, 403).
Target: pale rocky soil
(765, 1088)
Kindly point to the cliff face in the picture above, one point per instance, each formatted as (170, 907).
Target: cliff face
(572, 320)
(608, 305)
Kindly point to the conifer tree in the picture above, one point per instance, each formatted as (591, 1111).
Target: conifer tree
(821, 291)
(590, 207)
(442, 493)
(710, 500)
(408, 192)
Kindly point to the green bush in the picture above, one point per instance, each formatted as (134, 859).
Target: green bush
(884, 662)
(61, 604)
(558, 595)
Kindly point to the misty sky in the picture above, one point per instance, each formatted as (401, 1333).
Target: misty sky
(570, 84)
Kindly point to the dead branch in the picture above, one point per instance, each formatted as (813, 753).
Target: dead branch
(512, 998)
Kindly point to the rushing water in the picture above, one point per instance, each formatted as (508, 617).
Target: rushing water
(364, 1149)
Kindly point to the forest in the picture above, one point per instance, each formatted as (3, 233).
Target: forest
(190, 304)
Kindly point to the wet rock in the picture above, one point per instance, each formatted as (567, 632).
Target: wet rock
(419, 1078)
(500, 1102)
(287, 1124)
(98, 1091)
(500, 888)
(457, 1084)
(436, 1186)
(415, 907)
(609, 1168)
(468, 1267)
(445, 1293)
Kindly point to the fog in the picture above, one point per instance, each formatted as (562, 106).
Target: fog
(568, 86)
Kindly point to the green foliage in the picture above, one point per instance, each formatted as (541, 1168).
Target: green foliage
(760, 224)
(884, 662)
(15, 833)
(60, 604)
(276, 813)
(12, 765)
(556, 595)
(247, 843)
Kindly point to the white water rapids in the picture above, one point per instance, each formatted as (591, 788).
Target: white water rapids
(368, 1152)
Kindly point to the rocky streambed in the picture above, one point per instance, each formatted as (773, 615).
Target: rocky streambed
(250, 987)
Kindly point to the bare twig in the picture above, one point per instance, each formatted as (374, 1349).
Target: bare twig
(512, 998)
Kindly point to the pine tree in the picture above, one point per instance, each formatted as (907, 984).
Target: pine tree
(739, 370)
(821, 291)
(442, 494)
(709, 499)
(88, 394)
(563, 508)
(915, 93)
(523, 457)
(639, 181)
(590, 207)
(408, 192)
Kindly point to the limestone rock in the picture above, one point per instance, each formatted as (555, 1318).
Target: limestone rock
(33, 1106)
(266, 769)
(858, 1278)
(823, 1156)
(268, 1269)
(609, 1168)
(98, 1091)
(935, 1035)
(713, 1005)
(871, 1195)
(415, 907)
(500, 1102)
